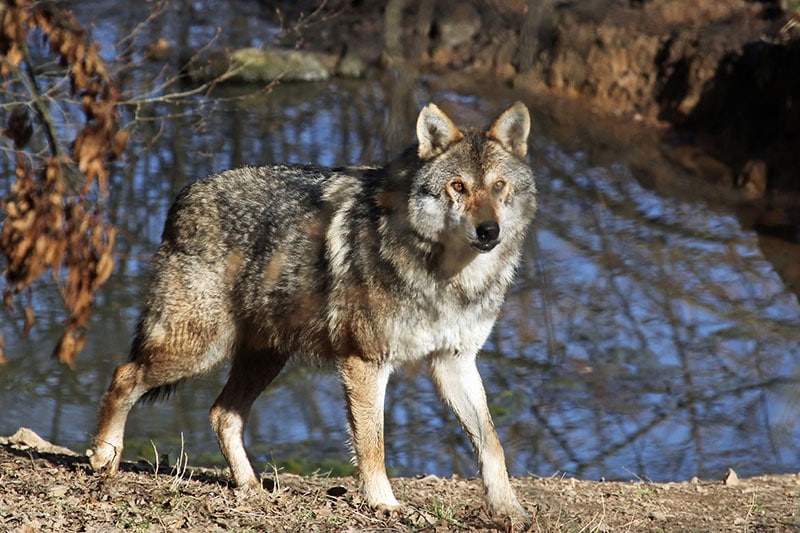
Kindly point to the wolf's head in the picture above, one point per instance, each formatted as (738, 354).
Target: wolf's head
(474, 189)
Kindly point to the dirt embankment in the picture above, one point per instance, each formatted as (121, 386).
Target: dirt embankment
(48, 488)
(722, 75)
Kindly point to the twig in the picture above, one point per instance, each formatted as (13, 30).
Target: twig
(155, 467)
(38, 106)
(180, 466)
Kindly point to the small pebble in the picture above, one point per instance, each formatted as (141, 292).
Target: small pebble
(731, 478)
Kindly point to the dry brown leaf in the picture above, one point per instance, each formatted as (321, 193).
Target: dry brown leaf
(12, 209)
(46, 226)
(54, 174)
(14, 56)
(30, 318)
(105, 265)
(120, 141)
(69, 346)
(88, 146)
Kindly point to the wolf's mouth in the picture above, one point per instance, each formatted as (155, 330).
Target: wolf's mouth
(485, 246)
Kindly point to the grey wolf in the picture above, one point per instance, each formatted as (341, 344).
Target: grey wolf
(369, 268)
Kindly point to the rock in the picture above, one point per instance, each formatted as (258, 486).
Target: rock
(257, 65)
(25, 439)
(730, 478)
(57, 491)
(753, 179)
(350, 66)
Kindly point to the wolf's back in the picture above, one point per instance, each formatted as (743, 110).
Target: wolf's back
(243, 209)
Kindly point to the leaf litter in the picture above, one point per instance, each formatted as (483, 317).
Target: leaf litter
(50, 488)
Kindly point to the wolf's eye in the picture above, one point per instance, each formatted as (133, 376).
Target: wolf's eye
(458, 186)
(499, 185)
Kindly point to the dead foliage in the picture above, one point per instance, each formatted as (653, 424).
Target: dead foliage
(48, 488)
(53, 215)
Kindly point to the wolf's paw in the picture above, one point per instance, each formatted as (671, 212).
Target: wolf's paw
(386, 505)
(379, 496)
(248, 493)
(511, 512)
(388, 510)
(254, 486)
(104, 458)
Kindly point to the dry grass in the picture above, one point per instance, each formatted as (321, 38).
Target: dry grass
(45, 489)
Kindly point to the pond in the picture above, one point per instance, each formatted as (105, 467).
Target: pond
(646, 337)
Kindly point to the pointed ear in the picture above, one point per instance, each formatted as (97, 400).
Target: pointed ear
(512, 129)
(435, 132)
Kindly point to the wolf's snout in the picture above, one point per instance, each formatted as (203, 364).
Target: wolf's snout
(488, 231)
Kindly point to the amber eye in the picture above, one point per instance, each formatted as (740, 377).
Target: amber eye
(499, 185)
(458, 186)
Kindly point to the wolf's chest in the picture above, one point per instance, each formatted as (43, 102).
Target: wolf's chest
(414, 331)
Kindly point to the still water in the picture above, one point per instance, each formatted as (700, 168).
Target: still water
(646, 336)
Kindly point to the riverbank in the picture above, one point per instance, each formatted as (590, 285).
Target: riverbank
(720, 76)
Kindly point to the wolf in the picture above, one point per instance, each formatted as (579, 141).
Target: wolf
(366, 267)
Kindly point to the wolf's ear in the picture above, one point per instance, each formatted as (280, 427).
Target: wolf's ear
(512, 129)
(435, 132)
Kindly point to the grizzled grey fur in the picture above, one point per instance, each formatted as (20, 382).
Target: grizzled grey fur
(366, 267)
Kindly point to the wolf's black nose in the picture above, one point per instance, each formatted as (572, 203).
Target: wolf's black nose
(488, 230)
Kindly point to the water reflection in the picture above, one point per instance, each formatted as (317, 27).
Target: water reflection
(646, 336)
(669, 338)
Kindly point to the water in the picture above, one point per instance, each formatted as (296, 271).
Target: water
(646, 337)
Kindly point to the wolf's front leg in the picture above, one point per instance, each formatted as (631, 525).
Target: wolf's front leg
(459, 383)
(365, 389)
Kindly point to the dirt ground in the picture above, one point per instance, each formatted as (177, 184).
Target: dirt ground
(49, 488)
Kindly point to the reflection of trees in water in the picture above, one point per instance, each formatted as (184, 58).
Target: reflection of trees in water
(674, 338)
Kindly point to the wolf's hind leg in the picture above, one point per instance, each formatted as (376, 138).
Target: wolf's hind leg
(365, 389)
(459, 383)
(125, 390)
(250, 374)
(190, 347)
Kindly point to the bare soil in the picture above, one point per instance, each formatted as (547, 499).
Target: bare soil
(49, 488)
